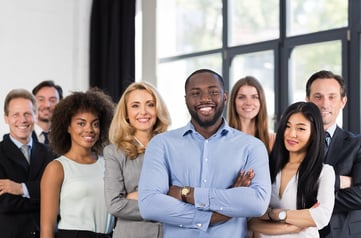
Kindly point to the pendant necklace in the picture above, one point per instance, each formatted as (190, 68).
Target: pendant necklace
(137, 140)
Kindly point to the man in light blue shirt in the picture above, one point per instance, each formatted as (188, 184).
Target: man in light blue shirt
(188, 176)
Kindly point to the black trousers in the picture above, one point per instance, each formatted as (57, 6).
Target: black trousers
(79, 234)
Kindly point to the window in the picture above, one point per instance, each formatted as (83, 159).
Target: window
(281, 43)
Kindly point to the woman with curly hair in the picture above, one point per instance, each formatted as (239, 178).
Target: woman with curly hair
(302, 196)
(247, 110)
(72, 185)
(140, 114)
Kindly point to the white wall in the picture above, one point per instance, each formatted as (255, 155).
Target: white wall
(43, 39)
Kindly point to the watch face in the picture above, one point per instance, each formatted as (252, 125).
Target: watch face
(282, 215)
(185, 191)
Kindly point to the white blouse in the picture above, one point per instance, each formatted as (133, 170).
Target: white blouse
(325, 196)
(82, 203)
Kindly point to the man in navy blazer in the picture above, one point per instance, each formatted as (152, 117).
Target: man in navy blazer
(328, 92)
(19, 176)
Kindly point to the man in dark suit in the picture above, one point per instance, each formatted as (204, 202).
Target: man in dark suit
(20, 172)
(328, 92)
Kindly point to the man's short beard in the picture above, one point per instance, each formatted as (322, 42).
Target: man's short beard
(43, 119)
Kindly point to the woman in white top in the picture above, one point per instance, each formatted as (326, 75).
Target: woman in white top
(72, 185)
(302, 186)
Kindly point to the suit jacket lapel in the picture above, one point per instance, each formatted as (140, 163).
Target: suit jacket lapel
(335, 146)
(15, 154)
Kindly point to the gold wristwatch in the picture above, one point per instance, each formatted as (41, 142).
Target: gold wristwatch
(184, 192)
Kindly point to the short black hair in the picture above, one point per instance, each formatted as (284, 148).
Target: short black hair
(220, 78)
(48, 83)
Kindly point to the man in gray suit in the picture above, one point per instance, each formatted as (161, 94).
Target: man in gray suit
(328, 92)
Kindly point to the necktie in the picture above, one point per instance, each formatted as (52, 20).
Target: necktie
(327, 141)
(25, 150)
(46, 138)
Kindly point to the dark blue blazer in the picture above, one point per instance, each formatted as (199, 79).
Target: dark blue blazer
(18, 215)
(344, 154)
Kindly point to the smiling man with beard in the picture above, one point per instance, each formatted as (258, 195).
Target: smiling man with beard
(190, 180)
(47, 95)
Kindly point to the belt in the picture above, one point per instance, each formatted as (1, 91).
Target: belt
(80, 234)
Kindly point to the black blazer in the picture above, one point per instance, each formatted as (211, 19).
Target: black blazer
(344, 154)
(18, 215)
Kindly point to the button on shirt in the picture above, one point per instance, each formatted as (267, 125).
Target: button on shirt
(183, 157)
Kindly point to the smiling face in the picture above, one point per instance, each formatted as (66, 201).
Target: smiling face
(84, 130)
(20, 119)
(205, 100)
(326, 94)
(297, 133)
(46, 99)
(141, 110)
(247, 102)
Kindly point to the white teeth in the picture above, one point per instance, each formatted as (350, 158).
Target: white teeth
(205, 109)
(143, 120)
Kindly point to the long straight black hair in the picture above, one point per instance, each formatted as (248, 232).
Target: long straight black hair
(310, 168)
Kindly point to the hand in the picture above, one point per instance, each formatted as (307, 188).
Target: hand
(8, 186)
(132, 196)
(216, 217)
(345, 181)
(316, 205)
(244, 179)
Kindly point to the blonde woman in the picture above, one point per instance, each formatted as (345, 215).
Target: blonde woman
(140, 114)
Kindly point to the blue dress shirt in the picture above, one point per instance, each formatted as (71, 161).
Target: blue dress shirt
(183, 157)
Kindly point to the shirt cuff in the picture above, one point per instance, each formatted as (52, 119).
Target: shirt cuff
(25, 191)
(201, 198)
(202, 219)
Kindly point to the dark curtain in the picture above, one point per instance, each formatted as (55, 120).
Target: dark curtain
(112, 45)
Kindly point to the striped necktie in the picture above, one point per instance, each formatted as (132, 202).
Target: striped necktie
(327, 141)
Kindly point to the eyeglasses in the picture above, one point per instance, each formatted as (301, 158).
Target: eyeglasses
(201, 94)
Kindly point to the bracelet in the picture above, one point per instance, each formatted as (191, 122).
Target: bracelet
(269, 210)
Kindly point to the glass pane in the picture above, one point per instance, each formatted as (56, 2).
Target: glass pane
(171, 79)
(187, 26)
(252, 21)
(308, 59)
(261, 66)
(306, 16)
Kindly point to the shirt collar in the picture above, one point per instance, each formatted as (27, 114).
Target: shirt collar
(38, 130)
(19, 144)
(331, 130)
(223, 129)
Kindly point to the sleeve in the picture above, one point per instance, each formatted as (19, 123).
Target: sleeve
(10, 203)
(349, 199)
(154, 203)
(235, 202)
(326, 197)
(25, 191)
(114, 187)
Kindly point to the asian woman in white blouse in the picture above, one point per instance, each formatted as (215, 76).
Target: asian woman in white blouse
(302, 197)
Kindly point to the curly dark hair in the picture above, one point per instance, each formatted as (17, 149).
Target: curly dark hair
(95, 101)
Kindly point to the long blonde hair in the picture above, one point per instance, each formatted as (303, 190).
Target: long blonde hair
(121, 133)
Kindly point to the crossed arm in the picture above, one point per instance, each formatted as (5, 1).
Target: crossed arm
(244, 179)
